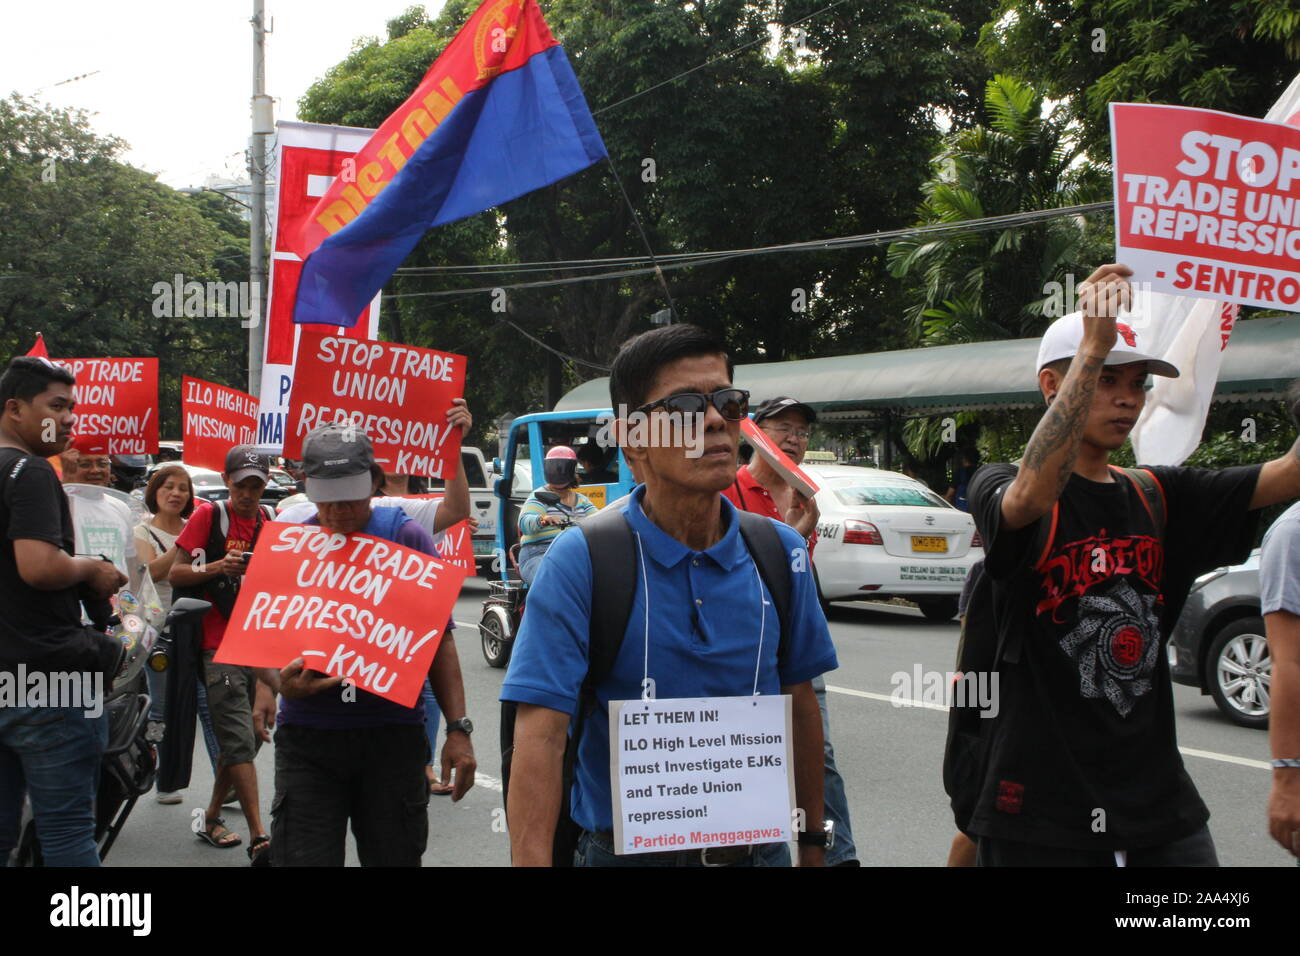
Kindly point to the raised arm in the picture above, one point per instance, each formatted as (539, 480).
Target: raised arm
(1049, 458)
(455, 504)
(1279, 480)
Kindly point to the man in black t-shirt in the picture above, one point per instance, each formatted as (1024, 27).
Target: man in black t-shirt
(49, 746)
(1090, 568)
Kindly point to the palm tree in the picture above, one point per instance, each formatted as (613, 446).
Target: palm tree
(977, 286)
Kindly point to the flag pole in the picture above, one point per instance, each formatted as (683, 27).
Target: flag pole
(262, 126)
(659, 273)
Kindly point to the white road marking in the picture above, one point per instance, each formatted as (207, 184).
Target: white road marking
(486, 782)
(1185, 751)
(473, 626)
(888, 698)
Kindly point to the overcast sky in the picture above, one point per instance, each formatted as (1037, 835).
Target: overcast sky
(175, 76)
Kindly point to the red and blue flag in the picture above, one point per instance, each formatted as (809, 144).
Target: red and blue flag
(498, 115)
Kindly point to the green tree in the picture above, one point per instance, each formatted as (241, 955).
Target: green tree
(976, 286)
(1231, 55)
(87, 238)
(821, 136)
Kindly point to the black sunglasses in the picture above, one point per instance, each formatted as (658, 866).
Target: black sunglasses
(731, 403)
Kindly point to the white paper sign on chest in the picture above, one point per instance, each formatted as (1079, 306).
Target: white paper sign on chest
(700, 772)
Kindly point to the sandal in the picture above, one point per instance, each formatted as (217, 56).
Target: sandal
(259, 851)
(216, 834)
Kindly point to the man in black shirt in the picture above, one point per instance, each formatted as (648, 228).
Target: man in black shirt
(48, 746)
(1091, 566)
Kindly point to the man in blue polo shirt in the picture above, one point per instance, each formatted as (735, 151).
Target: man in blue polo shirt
(696, 623)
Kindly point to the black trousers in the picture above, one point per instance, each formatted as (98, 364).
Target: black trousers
(1194, 850)
(373, 777)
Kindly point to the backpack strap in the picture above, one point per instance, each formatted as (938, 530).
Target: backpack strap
(162, 548)
(613, 587)
(1152, 494)
(769, 555)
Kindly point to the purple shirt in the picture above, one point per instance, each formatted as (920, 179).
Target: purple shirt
(328, 710)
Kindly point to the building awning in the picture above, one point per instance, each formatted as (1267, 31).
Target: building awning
(1262, 358)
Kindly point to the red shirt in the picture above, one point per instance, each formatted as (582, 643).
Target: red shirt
(194, 537)
(748, 495)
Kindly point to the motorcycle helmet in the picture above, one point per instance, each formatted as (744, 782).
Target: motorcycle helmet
(129, 472)
(561, 467)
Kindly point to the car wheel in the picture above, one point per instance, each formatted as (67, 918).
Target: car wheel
(494, 630)
(1240, 672)
(938, 609)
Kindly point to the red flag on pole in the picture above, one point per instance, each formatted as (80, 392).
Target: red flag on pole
(39, 349)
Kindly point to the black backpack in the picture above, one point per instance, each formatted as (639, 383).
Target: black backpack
(613, 585)
(222, 591)
(980, 651)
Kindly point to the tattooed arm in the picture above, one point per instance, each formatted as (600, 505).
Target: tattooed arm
(1050, 455)
(1279, 480)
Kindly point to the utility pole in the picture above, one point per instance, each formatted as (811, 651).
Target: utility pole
(263, 125)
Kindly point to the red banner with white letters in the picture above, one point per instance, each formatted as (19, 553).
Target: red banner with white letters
(214, 419)
(1206, 203)
(355, 605)
(117, 404)
(399, 395)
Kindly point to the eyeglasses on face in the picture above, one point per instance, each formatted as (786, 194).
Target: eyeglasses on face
(731, 403)
(802, 434)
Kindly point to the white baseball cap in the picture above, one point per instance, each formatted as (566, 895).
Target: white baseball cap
(1062, 338)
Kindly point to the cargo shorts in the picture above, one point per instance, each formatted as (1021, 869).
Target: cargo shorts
(231, 692)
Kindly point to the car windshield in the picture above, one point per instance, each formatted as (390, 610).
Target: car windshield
(888, 493)
(201, 477)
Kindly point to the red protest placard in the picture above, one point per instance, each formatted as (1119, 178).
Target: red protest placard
(117, 404)
(399, 395)
(457, 547)
(1206, 204)
(214, 419)
(356, 605)
(792, 473)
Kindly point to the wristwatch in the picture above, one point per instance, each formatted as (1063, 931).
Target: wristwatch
(464, 725)
(824, 838)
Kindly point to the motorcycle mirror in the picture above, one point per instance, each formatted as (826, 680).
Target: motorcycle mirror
(187, 607)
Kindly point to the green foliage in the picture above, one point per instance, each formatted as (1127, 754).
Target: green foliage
(86, 238)
(992, 285)
(766, 146)
(1232, 55)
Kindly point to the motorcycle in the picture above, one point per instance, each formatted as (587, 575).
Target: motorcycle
(504, 608)
(129, 763)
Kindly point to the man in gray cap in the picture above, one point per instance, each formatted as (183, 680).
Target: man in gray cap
(343, 754)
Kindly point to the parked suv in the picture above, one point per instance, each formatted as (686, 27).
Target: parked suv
(1218, 644)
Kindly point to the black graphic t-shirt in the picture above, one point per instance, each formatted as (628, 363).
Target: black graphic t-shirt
(1084, 752)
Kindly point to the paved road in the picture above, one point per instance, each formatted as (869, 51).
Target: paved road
(889, 756)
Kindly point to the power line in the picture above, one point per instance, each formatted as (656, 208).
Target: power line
(686, 260)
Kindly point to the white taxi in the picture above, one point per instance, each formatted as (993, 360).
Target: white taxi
(884, 535)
